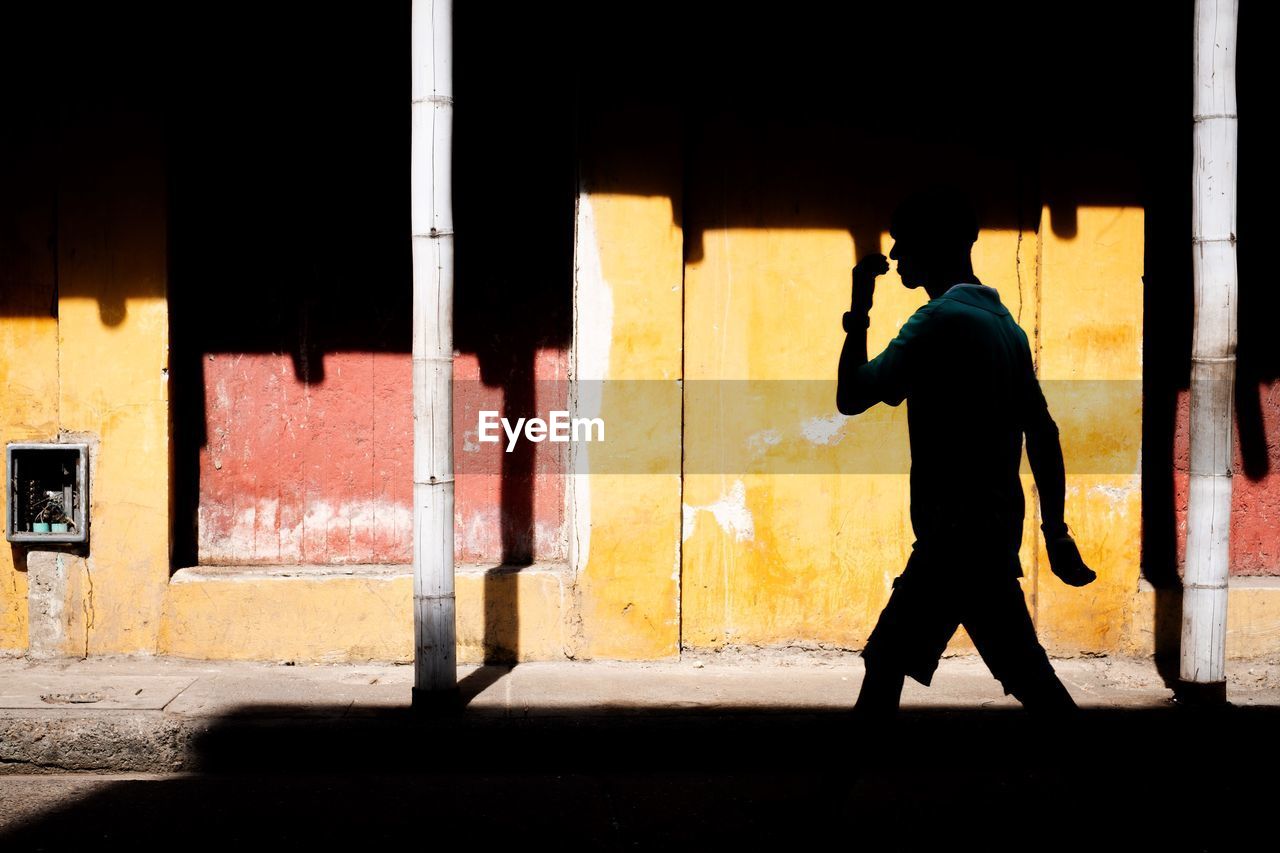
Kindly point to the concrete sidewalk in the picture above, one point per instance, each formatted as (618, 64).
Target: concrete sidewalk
(114, 715)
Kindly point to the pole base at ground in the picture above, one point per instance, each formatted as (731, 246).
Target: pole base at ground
(1196, 694)
(437, 702)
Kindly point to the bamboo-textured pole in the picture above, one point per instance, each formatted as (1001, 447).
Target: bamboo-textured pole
(1213, 349)
(431, 221)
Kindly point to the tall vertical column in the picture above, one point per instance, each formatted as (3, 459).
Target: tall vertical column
(431, 215)
(1213, 351)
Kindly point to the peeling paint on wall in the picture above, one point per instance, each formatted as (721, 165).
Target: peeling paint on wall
(824, 431)
(730, 512)
(760, 442)
(355, 531)
(1116, 494)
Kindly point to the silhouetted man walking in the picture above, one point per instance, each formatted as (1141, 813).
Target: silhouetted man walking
(964, 367)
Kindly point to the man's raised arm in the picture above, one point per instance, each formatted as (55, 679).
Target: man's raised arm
(861, 383)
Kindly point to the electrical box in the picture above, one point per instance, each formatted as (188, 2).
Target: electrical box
(48, 493)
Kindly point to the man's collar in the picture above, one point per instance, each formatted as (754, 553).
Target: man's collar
(976, 295)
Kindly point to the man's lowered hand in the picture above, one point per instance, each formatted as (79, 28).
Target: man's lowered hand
(1066, 563)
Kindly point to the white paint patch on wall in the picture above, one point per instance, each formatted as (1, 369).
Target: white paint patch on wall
(475, 532)
(1113, 493)
(760, 442)
(1117, 496)
(730, 512)
(363, 524)
(824, 431)
(589, 364)
(548, 541)
(688, 521)
(46, 597)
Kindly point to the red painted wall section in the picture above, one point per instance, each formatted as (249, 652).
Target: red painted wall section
(1255, 500)
(510, 506)
(322, 473)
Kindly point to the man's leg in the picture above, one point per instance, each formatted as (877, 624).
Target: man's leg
(1045, 696)
(1001, 628)
(910, 635)
(881, 692)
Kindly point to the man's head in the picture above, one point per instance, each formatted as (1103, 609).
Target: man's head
(933, 232)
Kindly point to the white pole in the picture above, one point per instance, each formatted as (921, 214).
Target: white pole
(1213, 350)
(431, 219)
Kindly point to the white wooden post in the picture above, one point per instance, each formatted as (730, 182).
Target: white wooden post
(1213, 349)
(431, 219)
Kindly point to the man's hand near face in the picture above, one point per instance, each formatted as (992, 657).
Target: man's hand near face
(864, 281)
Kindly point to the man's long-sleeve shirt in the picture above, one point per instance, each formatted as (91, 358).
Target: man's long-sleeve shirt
(964, 367)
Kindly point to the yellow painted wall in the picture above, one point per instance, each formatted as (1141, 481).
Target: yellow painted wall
(28, 338)
(331, 617)
(627, 347)
(1253, 621)
(774, 557)
(257, 617)
(822, 549)
(779, 558)
(1090, 322)
(28, 412)
(97, 372)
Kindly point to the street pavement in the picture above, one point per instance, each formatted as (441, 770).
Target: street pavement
(710, 752)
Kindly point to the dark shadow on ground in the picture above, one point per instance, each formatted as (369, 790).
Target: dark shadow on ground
(482, 678)
(616, 778)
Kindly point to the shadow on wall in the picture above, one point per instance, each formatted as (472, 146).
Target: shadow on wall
(321, 263)
(288, 176)
(287, 169)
